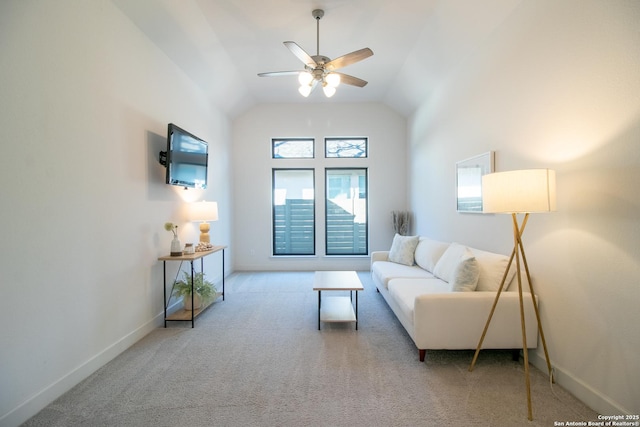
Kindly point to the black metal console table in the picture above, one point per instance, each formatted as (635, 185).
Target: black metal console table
(188, 315)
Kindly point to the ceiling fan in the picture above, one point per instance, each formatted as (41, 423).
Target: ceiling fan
(319, 69)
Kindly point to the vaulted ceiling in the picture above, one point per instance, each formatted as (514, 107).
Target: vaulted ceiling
(223, 44)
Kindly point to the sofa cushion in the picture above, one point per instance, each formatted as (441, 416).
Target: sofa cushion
(466, 273)
(428, 252)
(403, 249)
(448, 261)
(405, 291)
(492, 267)
(383, 271)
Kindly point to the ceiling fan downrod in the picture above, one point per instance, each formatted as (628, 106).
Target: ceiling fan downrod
(317, 14)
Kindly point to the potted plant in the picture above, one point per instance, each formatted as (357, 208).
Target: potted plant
(203, 290)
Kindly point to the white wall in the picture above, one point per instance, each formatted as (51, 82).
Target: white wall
(252, 165)
(556, 85)
(86, 99)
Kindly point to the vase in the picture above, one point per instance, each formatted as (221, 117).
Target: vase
(197, 302)
(176, 248)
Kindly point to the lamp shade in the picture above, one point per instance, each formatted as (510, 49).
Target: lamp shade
(204, 211)
(305, 78)
(329, 91)
(333, 79)
(304, 90)
(519, 191)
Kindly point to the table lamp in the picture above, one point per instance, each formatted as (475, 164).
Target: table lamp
(519, 192)
(204, 212)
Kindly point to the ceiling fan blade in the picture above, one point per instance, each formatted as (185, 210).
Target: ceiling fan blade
(279, 73)
(301, 54)
(348, 59)
(350, 80)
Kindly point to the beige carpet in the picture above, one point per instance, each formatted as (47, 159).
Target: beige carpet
(257, 359)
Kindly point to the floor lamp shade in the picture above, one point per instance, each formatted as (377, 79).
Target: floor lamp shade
(519, 191)
(204, 212)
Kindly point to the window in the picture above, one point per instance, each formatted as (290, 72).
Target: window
(345, 147)
(292, 148)
(294, 198)
(346, 211)
(293, 212)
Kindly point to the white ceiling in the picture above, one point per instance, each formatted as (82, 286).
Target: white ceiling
(223, 44)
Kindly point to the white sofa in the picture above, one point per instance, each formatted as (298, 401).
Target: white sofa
(430, 287)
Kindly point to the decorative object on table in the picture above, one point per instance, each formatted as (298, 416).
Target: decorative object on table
(519, 192)
(203, 247)
(203, 290)
(204, 212)
(176, 247)
(189, 249)
(469, 175)
(401, 222)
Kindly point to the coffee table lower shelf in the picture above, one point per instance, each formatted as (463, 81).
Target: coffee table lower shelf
(337, 309)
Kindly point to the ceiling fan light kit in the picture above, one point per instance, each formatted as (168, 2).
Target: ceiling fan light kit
(329, 91)
(333, 79)
(305, 78)
(321, 69)
(304, 90)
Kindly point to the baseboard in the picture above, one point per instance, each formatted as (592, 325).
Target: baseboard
(589, 396)
(44, 397)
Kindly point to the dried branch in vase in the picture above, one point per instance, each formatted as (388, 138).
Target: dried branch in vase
(401, 222)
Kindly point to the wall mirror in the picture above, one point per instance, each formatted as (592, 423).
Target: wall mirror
(469, 181)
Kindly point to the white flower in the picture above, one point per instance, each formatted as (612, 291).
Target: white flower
(169, 226)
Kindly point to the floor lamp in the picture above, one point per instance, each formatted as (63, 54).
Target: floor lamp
(519, 192)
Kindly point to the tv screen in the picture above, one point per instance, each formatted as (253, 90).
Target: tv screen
(187, 157)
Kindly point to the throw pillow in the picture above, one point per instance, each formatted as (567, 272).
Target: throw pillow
(403, 249)
(428, 252)
(492, 267)
(466, 274)
(448, 262)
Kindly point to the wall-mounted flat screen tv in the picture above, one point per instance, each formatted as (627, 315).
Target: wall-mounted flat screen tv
(187, 158)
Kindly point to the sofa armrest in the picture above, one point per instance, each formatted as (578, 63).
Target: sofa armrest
(456, 320)
(379, 256)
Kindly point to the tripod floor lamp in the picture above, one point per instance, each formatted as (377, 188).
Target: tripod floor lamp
(519, 192)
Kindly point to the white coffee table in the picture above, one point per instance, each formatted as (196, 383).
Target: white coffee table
(339, 308)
